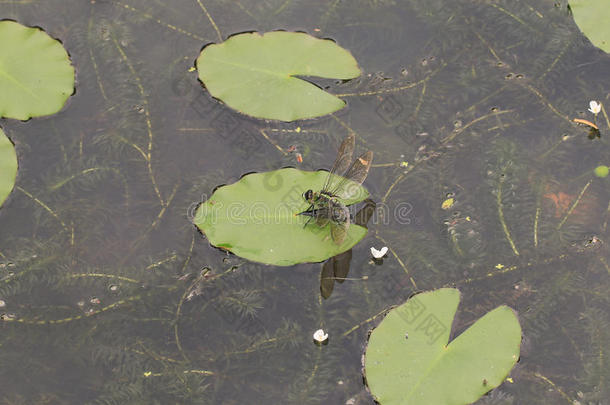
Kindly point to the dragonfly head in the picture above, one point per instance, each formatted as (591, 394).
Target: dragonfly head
(308, 195)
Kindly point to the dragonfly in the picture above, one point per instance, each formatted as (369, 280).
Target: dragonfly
(326, 206)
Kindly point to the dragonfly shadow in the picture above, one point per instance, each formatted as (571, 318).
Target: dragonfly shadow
(337, 267)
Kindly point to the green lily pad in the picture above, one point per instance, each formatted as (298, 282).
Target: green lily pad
(592, 18)
(408, 360)
(36, 77)
(8, 166)
(256, 218)
(255, 74)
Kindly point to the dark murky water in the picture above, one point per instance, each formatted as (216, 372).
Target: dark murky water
(101, 270)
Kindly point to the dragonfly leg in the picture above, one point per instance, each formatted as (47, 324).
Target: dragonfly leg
(310, 218)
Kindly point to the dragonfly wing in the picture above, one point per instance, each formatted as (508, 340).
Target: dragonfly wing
(321, 220)
(334, 269)
(338, 229)
(342, 161)
(338, 232)
(327, 280)
(363, 216)
(341, 267)
(355, 175)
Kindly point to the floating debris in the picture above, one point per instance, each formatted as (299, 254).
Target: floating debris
(601, 171)
(320, 337)
(585, 122)
(448, 203)
(378, 254)
(595, 107)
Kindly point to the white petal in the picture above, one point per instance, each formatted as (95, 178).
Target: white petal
(319, 336)
(378, 254)
(594, 107)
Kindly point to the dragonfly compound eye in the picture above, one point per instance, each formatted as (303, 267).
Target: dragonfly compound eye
(308, 195)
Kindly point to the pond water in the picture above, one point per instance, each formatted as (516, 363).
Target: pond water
(113, 297)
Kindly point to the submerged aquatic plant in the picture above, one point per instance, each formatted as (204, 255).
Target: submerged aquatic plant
(101, 271)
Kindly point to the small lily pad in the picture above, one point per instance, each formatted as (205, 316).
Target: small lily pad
(256, 218)
(409, 360)
(592, 18)
(36, 77)
(256, 74)
(8, 166)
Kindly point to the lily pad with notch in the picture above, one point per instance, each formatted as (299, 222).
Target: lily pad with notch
(409, 359)
(258, 74)
(592, 17)
(36, 76)
(257, 218)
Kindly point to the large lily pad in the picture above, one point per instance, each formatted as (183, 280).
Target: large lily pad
(255, 74)
(36, 77)
(408, 360)
(256, 218)
(8, 167)
(592, 18)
